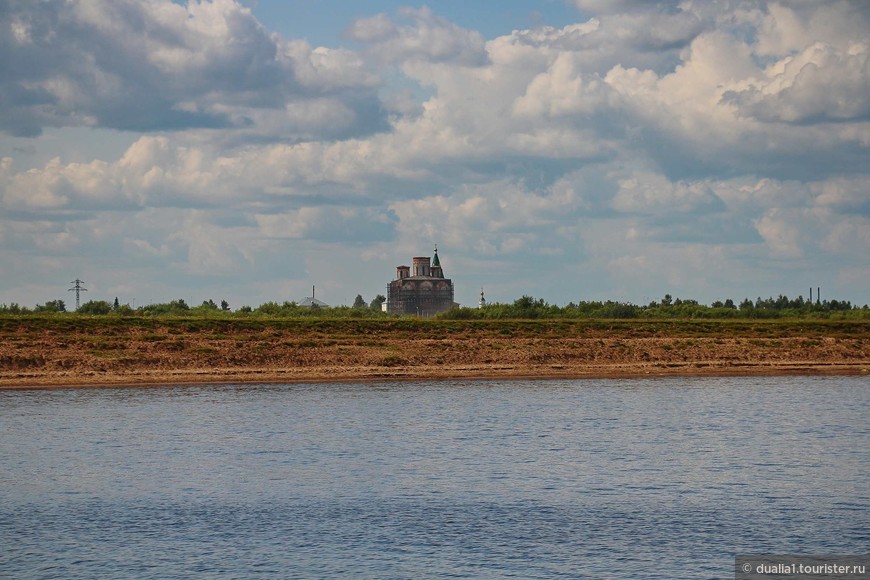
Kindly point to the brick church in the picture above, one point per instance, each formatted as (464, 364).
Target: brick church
(423, 292)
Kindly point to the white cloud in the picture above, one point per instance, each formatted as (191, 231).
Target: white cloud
(650, 193)
(819, 84)
(618, 6)
(212, 250)
(378, 28)
(781, 232)
(427, 37)
(561, 91)
(686, 102)
(327, 224)
(36, 188)
(846, 195)
(156, 65)
(677, 147)
(843, 234)
(814, 233)
(764, 193)
(785, 28)
(324, 68)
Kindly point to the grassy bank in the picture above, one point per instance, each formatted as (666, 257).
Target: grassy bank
(110, 349)
(551, 328)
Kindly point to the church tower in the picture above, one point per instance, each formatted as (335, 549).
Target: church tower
(435, 270)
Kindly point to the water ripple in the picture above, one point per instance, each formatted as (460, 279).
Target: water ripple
(664, 478)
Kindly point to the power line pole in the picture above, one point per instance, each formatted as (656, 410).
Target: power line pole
(77, 289)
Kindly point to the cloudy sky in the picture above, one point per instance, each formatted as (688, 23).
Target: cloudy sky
(572, 150)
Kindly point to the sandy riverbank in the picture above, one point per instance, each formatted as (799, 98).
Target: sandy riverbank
(43, 354)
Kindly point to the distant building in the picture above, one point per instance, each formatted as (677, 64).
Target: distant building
(310, 301)
(482, 303)
(424, 293)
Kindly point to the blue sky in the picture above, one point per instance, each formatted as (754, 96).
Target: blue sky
(323, 23)
(571, 150)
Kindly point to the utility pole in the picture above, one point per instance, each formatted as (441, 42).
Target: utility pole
(77, 289)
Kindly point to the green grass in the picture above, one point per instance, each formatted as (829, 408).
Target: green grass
(161, 329)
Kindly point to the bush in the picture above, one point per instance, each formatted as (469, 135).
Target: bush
(51, 306)
(175, 307)
(459, 313)
(95, 307)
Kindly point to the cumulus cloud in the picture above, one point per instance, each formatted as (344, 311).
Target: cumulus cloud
(845, 195)
(426, 37)
(623, 6)
(329, 224)
(646, 148)
(783, 28)
(820, 84)
(504, 219)
(650, 193)
(157, 65)
(561, 91)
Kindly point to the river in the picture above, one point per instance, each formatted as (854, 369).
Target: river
(641, 478)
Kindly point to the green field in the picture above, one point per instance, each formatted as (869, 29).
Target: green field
(550, 327)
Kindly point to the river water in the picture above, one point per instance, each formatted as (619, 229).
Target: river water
(659, 478)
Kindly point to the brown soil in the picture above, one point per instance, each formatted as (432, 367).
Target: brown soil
(40, 354)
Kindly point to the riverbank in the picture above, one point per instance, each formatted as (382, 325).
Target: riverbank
(46, 352)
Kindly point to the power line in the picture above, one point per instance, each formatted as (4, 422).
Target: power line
(77, 289)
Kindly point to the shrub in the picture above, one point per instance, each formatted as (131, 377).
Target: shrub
(95, 307)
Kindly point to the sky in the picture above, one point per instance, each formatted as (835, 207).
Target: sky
(565, 149)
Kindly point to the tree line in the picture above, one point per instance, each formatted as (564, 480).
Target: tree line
(525, 307)
(180, 307)
(667, 307)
